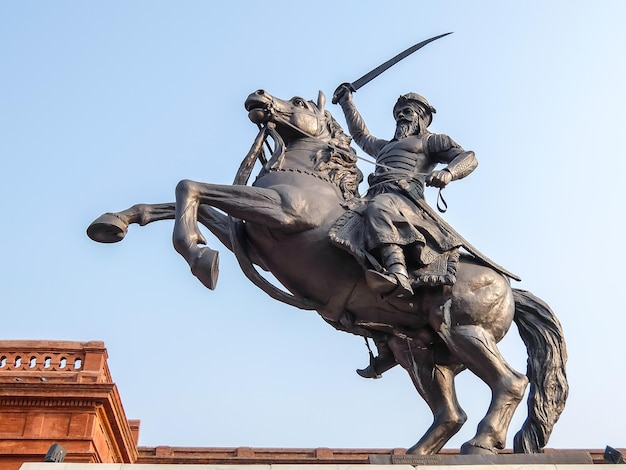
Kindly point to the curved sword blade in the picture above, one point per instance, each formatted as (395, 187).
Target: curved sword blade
(381, 68)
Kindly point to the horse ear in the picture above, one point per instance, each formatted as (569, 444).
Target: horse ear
(321, 101)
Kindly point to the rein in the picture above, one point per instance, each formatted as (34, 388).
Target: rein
(238, 237)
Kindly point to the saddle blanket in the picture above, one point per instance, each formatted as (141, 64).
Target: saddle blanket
(348, 234)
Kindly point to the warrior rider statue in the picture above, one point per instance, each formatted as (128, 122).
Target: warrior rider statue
(398, 225)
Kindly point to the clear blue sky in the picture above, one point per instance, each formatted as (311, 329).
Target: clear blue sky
(106, 104)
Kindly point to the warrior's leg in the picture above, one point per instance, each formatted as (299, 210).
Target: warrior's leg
(379, 364)
(395, 281)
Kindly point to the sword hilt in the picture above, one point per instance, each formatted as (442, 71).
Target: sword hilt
(341, 91)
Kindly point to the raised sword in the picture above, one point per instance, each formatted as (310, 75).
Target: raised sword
(371, 75)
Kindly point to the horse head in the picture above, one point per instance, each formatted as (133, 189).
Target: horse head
(293, 118)
(298, 119)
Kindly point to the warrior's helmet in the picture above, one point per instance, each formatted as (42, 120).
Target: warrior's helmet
(421, 101)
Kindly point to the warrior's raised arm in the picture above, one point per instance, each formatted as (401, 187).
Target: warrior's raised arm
(356, 125)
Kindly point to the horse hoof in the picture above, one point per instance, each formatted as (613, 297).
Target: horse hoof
(206, 267)
(417, 450)
(476, 449)
(108, 228)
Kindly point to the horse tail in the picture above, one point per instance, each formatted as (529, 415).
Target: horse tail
(543, 336)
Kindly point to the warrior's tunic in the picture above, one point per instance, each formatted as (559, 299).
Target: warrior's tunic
(394, 213)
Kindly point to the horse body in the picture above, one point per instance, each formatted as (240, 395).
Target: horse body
(287, 214)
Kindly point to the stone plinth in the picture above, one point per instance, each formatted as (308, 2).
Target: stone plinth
(216, 456)
(61, 392)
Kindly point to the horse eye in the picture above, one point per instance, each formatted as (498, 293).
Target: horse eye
(298, 102)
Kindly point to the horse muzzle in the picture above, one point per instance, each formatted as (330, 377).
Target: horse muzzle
(259, 106)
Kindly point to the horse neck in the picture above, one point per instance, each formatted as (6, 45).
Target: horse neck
(300, 153)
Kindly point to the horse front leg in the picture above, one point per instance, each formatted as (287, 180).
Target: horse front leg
(111, 227)
(262, 206)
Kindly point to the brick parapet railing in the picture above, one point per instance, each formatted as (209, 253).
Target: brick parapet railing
(60, 361)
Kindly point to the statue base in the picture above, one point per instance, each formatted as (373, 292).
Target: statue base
(560, 458)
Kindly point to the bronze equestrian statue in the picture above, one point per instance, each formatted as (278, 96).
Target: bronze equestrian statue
(296, 221)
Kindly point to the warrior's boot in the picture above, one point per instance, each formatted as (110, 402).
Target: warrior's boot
(379, 364)
(395, 281)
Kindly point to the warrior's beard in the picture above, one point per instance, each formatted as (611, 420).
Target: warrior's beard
(405, 129)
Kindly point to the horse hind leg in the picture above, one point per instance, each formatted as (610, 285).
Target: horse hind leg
(433, 374)
(476, 348)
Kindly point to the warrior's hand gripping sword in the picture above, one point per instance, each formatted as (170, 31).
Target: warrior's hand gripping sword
(368, 77)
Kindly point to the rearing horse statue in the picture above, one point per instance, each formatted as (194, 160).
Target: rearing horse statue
(281, 224)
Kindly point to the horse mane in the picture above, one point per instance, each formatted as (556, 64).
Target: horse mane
(337, 162)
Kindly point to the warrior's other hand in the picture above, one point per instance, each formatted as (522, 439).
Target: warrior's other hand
(439, 178)
(342, 93)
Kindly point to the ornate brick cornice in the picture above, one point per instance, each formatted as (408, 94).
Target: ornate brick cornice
(26, 402)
